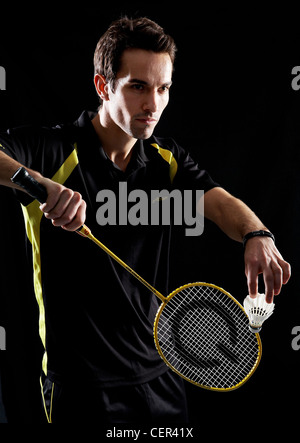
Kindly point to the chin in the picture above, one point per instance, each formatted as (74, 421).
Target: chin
(143, 135)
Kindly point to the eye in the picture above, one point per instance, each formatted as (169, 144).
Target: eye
(164, 88)
(137, 87)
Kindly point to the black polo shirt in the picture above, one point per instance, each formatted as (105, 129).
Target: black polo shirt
(96, 319)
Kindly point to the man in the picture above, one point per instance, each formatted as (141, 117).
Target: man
(96, 322)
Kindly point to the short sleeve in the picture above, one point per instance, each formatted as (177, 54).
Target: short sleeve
(189, 174)
(19, 145)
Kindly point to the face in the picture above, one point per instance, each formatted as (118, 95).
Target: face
(141, 92)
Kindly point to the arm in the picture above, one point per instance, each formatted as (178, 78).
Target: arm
(63, 207)
(261, 254)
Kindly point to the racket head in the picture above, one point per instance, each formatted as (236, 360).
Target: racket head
(202, 333)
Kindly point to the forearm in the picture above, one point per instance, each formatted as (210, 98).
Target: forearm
(8, 166)
(261, 255)
(230, 214)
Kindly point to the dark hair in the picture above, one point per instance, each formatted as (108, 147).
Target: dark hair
(125, 33)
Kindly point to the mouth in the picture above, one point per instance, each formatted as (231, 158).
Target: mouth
(146, 120)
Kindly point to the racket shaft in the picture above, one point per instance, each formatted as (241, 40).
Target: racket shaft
(86, 232)
(39, 192)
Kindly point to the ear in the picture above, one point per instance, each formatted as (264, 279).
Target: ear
(101, 86)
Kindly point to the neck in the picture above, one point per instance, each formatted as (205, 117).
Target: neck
(115, 142)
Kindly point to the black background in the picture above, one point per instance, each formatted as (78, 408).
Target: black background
(232, 106)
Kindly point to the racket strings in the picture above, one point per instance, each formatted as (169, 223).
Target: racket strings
(211, 352)
(211, 319)
(206, 353)
(193, 369)
(192, 325)
(204, 336)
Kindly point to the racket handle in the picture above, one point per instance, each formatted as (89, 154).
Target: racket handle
(22, 178)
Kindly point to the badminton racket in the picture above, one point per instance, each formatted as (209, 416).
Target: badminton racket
(200, 331)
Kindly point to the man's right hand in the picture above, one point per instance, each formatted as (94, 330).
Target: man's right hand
(64, 207)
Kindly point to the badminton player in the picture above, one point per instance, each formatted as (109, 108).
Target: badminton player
(100, 363)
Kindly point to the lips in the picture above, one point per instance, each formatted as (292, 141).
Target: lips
(146, 120)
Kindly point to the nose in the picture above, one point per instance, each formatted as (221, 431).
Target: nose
(151, 102)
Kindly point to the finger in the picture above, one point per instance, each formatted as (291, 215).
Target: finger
(50, 204)
(286, 269)
(78, 220)
(277, 278)
(61, 206)
(252, 280)
(70, 211)
(269, 284)
(54, 191)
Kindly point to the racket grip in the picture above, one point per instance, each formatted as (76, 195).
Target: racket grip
(22, 178)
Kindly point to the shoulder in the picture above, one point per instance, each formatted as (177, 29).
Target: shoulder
(68, 131)
(184, 169)
(31, 134)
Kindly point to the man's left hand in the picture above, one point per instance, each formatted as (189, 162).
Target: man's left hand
(262, 257)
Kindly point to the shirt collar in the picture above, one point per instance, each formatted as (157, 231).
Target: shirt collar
(84, 121)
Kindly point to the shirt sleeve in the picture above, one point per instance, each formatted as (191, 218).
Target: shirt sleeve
(19, 144)
(189, 174)
(29, 146)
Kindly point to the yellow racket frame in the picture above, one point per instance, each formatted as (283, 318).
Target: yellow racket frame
(86, 232)
(158, 314)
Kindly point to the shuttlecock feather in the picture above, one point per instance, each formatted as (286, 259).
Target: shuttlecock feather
(257, 310)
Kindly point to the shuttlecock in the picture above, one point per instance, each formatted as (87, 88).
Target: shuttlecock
(257, 310)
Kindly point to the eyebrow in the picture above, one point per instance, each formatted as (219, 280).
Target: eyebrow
(142, 82)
